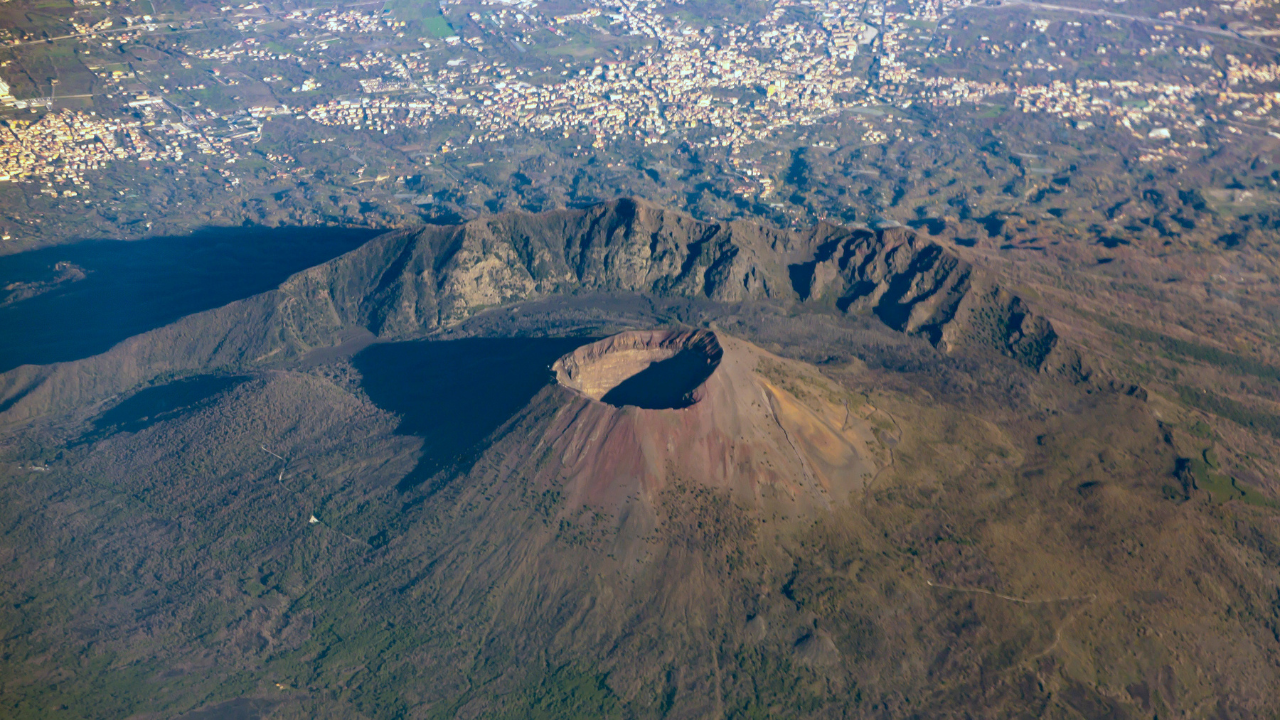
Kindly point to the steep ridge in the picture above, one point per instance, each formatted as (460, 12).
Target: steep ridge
(402, 284)
(408, 284)
(917, 286)
(246, 333)
(443, 275)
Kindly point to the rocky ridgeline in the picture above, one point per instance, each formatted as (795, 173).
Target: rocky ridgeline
(408, 284)
(404, 283)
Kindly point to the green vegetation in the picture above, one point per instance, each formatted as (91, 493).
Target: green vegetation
(565, 694)
(438, 26)
(1218, 486)
(413, 11)
(1232, 410)
(1223, 488)
(1195, 351)
(776, 683)
(1201, 429)
(1251, 496)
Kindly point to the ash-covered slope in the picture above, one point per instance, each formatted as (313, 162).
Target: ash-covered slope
(762, 542)
(793, 442)
(592, 532)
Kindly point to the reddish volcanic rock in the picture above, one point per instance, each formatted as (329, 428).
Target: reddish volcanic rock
(704, 409)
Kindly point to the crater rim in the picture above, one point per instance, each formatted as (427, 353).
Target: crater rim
(648, 369)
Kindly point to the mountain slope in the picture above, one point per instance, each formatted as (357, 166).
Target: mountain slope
(443, 275)
(917, 286)
(408, 284)
(927, 530)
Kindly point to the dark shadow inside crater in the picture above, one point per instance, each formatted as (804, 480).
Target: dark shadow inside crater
(666, 384)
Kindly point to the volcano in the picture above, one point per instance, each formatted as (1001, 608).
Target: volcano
(627, 502)
(644, 407)
(615, 462)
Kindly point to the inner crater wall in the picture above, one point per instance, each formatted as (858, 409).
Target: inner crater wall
(596, 369)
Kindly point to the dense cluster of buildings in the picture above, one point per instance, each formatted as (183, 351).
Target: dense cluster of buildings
(1147, 109)
(1242, 72)
(62, 147)
(733, 85)
(725, 86)
(710, 81)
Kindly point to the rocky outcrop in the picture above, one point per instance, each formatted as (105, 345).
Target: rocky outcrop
(917, 286)
(411, 283)
(404, 283)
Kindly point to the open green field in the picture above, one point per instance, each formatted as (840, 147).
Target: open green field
(438, 26)
(1224, 488)
(423, 15)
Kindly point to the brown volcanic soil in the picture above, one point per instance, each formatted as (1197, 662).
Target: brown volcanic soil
(1059, 522)
(796, 448)
(784, 546)
(726, 558)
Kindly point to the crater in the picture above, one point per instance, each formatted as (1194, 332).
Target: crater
(654, 370)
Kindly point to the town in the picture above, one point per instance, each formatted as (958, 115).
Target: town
(719, 88)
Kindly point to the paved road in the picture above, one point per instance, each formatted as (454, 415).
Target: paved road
(93, 33)
(1207, 29)
(140, 29)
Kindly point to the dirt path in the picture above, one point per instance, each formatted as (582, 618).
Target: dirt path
(1070, 598)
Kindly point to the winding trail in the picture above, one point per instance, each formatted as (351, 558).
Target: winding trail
(979, 591)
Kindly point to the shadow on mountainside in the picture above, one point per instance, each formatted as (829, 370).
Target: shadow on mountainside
(156, 404)
(73, 301)
(454, 393)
